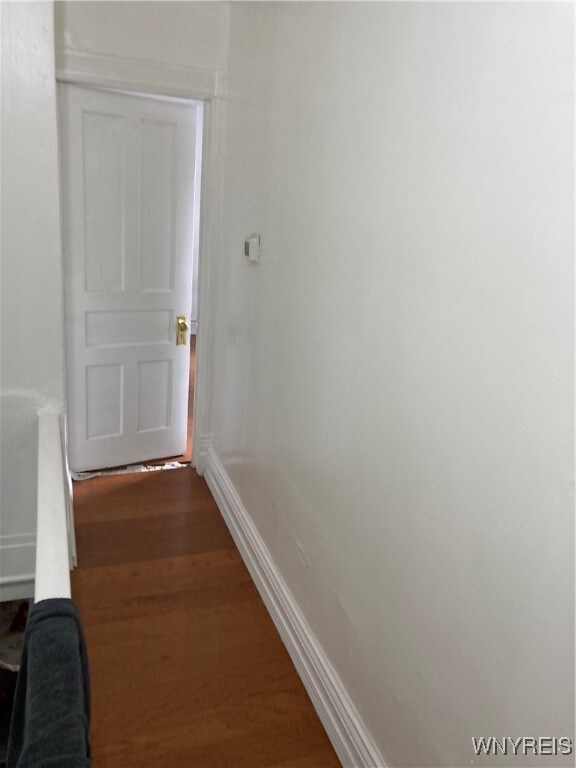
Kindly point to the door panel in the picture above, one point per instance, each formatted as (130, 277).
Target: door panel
(104, 191)
(128, 203)
(157, 163)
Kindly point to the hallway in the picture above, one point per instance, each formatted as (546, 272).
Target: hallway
(187, 667)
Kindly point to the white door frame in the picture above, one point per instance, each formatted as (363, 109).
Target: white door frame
(209, 86)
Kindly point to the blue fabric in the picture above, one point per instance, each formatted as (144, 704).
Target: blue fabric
(51, 712)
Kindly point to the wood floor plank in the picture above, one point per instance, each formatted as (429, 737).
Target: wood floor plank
(151, 538)
(139, 496)
(161, 586)
(187, 668)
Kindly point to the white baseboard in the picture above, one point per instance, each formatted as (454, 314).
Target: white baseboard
(18, 589)
(347, 732)
(17, 559)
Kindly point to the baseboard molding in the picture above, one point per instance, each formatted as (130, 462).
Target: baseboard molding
(17, 559)
(347, 732)
(18, 589)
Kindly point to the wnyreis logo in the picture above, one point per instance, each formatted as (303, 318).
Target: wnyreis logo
(524, 745)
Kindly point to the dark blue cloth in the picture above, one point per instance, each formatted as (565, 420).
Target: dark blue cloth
(51, 712)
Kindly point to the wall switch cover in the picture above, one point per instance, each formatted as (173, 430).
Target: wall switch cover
(252, 248)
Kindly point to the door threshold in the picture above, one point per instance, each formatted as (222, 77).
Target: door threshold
(129, 470)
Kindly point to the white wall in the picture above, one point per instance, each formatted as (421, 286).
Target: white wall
(394, 380)
(32, 340)
(187, 34)
(32, 358)
(18, 491)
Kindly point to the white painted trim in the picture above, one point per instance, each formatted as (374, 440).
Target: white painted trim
(18, 540)
(70, 520)
(347, 732)
(202, 445)
(210, 227)
(17, 556)
(140, 75)
(52, 577)
(17, 588)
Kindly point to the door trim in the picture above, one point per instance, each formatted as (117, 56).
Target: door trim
(140, 75)
(116, 73)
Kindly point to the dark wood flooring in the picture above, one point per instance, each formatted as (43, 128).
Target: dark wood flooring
(187, 668)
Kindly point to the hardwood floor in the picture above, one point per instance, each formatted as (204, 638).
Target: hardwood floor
(187, 668)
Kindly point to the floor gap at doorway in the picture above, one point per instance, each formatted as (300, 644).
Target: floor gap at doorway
(129, 470)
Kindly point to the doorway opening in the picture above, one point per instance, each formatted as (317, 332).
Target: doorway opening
(186, 457)
(131, 180)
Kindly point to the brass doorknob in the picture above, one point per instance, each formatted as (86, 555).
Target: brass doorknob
(181, 330)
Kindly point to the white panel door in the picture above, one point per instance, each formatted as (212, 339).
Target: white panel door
(128, 203)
